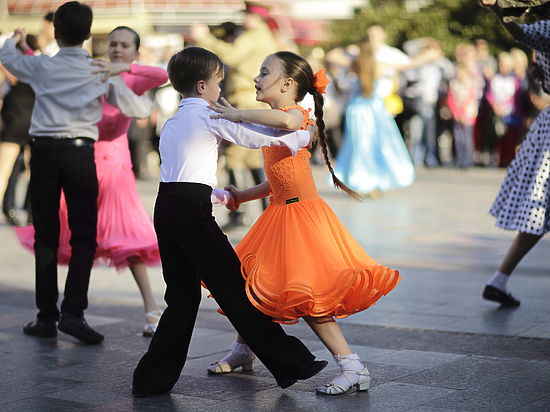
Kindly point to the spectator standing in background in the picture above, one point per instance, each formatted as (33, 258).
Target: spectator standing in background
(244, 57)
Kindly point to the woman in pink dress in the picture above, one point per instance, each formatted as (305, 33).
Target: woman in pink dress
(125, 233)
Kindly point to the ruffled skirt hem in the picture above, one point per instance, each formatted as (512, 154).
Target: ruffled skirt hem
(353, 291)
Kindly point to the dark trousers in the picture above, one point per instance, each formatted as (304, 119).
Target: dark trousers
(464, 144)
(423, 130)
(192, 247)
(71, 169)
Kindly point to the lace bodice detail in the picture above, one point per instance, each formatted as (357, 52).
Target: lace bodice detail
(290, 177)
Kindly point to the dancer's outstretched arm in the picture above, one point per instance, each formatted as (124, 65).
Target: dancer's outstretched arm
(144, 78)
(252, 193)
(287, 120)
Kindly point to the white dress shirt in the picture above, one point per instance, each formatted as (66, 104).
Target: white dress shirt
(68, 96)
(189, 142)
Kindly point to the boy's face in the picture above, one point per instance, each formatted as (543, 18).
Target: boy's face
(211, 88)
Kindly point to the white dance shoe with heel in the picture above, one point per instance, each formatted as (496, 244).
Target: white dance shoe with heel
(353, 375)
(150, 328)
(239, 357)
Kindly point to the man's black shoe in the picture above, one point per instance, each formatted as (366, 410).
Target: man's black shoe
(41, 329)
(77, 327)
(497, 295)
(314, 369)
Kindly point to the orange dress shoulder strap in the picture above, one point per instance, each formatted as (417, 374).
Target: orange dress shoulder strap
(305, 112)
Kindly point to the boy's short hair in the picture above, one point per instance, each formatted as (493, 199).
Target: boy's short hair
(72, 22)
(191, 65)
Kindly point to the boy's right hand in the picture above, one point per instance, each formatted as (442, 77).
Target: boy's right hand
(107, 69)
(313, 133)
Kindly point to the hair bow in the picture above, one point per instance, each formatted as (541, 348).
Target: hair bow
(320, 81)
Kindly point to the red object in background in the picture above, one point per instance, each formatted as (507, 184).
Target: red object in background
(301, 31)
(40, 7)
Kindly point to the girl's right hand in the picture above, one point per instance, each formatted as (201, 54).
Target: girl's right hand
(488, 3)
(225, 111)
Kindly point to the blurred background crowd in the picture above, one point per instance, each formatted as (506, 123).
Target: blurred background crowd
(460, 91)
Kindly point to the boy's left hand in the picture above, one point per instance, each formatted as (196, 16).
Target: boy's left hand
(225, 111)
(109, 69)
(234, 202)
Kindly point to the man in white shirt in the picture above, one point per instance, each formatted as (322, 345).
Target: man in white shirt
(192, 246)
(63, 126)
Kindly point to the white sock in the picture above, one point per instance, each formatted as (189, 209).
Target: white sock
(348, 365)
(499, 281)
(240, 353)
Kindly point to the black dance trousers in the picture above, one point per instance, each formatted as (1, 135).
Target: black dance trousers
(72, 169)
(192, 247)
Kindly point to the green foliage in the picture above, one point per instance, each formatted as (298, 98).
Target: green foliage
(449, 21)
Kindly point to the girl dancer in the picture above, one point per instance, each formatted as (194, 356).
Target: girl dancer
(373, 157)
(125, 233)
(14, 135)
(524, 198)
(298, 259)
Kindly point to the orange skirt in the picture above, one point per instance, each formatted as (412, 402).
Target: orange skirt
(299, 260)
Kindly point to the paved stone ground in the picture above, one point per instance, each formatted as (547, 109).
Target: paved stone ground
(431, 345)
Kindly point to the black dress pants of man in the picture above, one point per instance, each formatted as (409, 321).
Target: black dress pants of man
(192, 247)
(56, 165)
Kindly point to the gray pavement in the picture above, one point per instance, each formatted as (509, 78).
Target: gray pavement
(432, 344)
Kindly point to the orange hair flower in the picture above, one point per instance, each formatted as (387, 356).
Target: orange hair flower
(320, 81)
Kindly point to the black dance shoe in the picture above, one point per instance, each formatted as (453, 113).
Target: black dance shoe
(314, 369)
(40, 329)
(497, 295)
(77, 327)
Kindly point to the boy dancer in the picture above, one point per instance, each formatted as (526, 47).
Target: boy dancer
(63, 126)
(192, 246)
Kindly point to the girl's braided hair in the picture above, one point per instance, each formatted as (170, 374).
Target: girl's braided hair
(299, 70)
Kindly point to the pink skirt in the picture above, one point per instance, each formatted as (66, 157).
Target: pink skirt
(124, 229)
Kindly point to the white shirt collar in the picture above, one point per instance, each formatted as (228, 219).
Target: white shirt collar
(192, 101)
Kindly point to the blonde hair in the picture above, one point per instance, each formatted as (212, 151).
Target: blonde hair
(366, 66)
(520, 60)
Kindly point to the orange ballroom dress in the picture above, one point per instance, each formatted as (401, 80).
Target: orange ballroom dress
(298, 259)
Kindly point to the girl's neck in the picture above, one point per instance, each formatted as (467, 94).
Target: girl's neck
(283, 101)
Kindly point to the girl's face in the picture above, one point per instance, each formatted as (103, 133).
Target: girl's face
(122, 46)
(270, 81)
